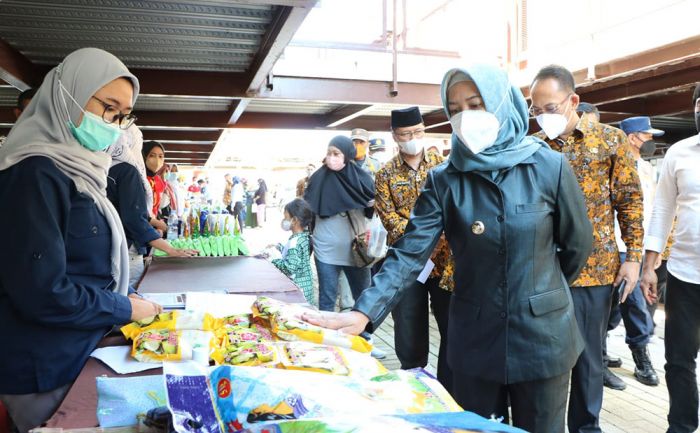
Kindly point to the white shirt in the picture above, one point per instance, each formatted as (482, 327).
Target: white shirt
(678, 192)
(647, 178)
(237, 193)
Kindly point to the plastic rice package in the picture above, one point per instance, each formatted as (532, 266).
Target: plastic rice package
(254, 333)
(247, 354)
(176, 320)
(265, 307)
(155, 345)
(287, 325)
(245, 397)
(304, 356)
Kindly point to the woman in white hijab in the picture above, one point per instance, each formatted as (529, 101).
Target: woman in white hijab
(64, 275)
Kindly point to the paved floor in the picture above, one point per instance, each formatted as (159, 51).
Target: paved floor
(639, 408)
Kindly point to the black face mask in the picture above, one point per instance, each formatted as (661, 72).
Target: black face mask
(648, 148)
(697, 121)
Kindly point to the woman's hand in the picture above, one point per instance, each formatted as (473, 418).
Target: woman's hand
(175, 252)
(352, 322)
(159, 225)
(141, 308)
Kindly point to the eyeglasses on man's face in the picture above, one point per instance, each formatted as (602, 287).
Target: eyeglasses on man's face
(549, 108)
(408, 135)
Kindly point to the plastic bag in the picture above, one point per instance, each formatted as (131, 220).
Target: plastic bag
(376, 243)
(248, 396)
(247, 354)
(313, 357)
(176, 320)
(169, 345)
(287, 325)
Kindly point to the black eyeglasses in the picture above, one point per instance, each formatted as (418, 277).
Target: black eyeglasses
(111, 115)
(549, 108)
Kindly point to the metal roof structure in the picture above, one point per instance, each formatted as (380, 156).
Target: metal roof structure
(205, 66)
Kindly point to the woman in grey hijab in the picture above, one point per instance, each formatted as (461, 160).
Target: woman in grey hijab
(64, 275)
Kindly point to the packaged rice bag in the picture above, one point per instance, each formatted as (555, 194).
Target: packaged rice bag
(288, 326)
(176, 320)
(265, 307)
(246, 397)
(254, 333)
(168, 344)
(246, 354)
(300, 355)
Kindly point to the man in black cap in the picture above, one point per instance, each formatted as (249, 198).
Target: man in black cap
(398, 185)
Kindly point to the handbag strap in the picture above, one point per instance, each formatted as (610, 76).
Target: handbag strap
(352, 226)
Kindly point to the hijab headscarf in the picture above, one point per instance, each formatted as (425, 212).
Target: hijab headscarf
(147, 147)
(331, 192)
(42, 130)
(128, 149)
(507, 103)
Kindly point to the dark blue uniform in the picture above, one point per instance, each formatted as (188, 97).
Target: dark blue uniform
(56, 299)
(125, 191)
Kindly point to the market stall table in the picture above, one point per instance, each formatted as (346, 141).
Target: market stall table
(243, 275)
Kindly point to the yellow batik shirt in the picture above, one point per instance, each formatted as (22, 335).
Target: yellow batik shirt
(607, 173)
(397, 188)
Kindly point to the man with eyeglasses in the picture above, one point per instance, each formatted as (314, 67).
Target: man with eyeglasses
(360, 138)
(606, 171)
(398, 185)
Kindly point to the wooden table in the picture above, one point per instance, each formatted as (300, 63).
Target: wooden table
(245, 275)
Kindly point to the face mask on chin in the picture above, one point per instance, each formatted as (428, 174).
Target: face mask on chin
(412, 147)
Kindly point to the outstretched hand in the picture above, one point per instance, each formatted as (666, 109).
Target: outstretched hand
(352, 322)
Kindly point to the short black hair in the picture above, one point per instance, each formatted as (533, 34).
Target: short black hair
(559, 73)
(200, 181)
(696, 94)
(25, 96)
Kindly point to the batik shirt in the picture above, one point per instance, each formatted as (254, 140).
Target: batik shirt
(398, 186)
(607, 173)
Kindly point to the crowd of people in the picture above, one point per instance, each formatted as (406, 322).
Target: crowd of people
(511, 241)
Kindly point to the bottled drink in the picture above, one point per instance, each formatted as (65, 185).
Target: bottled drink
(172, 226)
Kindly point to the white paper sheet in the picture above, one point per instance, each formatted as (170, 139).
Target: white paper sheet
(425, 273)
(119, 359)
(219, 304)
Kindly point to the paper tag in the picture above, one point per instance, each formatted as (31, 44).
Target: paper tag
(425, 273)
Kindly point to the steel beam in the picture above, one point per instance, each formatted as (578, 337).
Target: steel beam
(346, 113)
(237, 108)
(284, 24)
(16, 69)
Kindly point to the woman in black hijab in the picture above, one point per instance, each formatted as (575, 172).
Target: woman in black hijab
(260, 202)
(341, 195)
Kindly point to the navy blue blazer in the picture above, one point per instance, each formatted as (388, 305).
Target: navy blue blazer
(125, 191)
(56, 299)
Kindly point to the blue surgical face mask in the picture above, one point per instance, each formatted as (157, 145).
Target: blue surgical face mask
(93, 133)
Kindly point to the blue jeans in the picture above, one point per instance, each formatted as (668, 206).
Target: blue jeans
(635, 315)
(358, 278)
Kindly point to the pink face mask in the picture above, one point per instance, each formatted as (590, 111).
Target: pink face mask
(335, 163)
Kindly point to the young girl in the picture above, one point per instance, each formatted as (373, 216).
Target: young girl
(296, 261)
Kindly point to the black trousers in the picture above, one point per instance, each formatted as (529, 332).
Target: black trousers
(592, 308)
(412, 329)
(682, 343)
(538, 406)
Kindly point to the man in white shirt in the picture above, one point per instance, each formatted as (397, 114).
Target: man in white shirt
(633, 312)
(678, 194)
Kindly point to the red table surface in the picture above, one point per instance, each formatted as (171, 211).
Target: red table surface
(233, 274)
